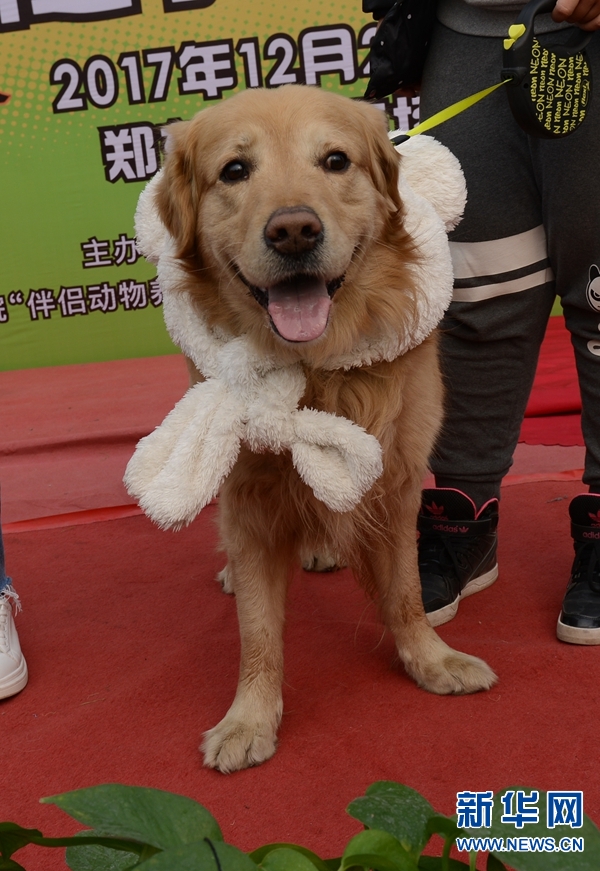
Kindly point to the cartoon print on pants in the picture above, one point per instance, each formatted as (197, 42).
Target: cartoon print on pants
(593, 297)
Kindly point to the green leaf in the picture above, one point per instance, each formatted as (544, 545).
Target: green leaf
(13, 837)
(494, 864)
(258, 856)
(436, 863)
(205, 855)
(444, 826)
(589, 860)
(396, 809)
(99, 859)
(373, 849)
(150, 816)
(287, 859)
(93, 857)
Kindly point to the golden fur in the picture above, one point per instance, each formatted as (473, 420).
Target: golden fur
(282, 139)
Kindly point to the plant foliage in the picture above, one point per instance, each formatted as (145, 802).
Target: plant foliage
(131, 827)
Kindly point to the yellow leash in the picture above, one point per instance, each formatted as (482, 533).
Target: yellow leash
(398, 136)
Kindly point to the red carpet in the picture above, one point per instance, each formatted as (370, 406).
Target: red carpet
(133, 652)
(133, 648)
(66, 433)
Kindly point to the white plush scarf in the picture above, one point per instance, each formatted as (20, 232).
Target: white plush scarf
(247, 398)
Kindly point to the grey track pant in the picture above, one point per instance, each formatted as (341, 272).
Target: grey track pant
(531, 230)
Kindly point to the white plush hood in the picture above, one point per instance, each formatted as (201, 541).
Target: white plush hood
(178, 469)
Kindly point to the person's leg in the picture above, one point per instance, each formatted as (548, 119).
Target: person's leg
(489, 351)
(13, 668)
(491, 335)
(503, 281)
(568, 174)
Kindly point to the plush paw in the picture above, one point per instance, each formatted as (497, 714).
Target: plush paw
(233, 745)
(224, 578)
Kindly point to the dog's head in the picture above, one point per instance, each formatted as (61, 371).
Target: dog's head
(276, 200)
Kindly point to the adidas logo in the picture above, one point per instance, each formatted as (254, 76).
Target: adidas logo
(595, 518)
(438, 511)
(444, 527)
(591, 535)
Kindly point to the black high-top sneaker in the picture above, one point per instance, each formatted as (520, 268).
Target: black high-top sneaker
(579, 621)
(457, 550)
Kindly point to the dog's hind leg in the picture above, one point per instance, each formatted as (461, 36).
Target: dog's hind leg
(247, 734)
(391, 565)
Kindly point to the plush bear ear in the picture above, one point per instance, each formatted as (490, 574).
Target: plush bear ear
(434, 173)
(150, 232)
(177, 194)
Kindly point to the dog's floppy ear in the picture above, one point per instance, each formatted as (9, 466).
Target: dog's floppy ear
(177, 194)
(384, 162)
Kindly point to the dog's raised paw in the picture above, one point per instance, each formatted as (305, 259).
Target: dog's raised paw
(233, 745)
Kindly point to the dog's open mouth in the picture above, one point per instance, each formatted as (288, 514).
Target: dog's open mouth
(299, 306)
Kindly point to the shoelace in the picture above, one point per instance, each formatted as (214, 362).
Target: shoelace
(4, 611)
(6, 607)
(587, 565)
(446, 552)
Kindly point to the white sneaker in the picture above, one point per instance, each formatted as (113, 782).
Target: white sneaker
(13, 668)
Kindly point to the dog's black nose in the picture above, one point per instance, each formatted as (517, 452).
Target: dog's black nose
(294, 231)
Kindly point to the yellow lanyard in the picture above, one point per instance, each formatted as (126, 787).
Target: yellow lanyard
(398, 136)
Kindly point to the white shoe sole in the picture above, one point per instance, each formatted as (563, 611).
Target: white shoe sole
(14, 682)
(576, 634)
(448, 612)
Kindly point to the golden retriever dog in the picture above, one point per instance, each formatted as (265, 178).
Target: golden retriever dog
(287, 218)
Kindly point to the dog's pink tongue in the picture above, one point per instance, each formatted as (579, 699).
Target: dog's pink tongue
(299, 308)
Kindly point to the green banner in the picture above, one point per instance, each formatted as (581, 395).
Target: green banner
(85, 87)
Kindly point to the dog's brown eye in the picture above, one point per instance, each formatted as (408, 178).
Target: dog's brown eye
(235, 171)
(337, 161)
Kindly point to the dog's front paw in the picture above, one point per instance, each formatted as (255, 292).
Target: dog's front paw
(234, 744)
(320, 562)
(453, 673)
